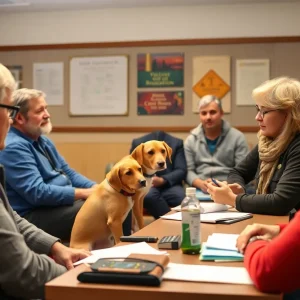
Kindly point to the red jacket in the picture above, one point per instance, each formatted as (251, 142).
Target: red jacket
(275, 266)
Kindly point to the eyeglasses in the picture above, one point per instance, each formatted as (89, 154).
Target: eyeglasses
(263, 112)
(12, 110)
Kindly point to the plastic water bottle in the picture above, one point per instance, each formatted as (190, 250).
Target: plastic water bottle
(190, 210)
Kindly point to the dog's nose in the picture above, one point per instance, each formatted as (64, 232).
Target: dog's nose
(161, 164)
(143, 182)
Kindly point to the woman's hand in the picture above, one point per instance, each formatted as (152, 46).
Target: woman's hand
(236, 188)
(221, 194)
(259, 231)
(67, 256)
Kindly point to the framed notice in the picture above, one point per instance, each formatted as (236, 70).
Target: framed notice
(211, 76)
(49, 78)
(160, 103)
(99, 85)
(17, 72)
(160, 70)
(250, 73)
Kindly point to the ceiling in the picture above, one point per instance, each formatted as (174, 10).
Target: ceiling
(50, 5)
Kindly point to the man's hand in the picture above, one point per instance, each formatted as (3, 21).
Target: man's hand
(67, 256)
(83, 194)
(236, 188)
(260, 231)
(158, 181)
(221, 194)
(201, 184)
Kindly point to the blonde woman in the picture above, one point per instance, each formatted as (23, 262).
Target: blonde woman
(275, 162)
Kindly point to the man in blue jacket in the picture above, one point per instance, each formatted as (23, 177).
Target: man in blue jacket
(41, 186)
(167, 190)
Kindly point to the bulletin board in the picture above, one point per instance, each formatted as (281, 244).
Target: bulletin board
(99, 85)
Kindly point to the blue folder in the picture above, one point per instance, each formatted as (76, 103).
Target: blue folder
(217, 254)
(202, 196)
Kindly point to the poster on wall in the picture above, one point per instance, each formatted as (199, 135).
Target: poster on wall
(250, 73)
(49, 78)
(160, 70)
(160, 103)
(211, 76)
(17, 72)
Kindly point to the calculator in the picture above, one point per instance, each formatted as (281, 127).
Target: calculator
(172, 242)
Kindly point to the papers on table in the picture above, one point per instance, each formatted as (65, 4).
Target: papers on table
(218, 217)
(120, 251)
(204, 273)
(208, 207)
(221, 247)
(222, 241)
(219, 255)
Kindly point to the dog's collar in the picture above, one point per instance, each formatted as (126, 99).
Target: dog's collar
(126, 193)
(121, 191)
(148, 176)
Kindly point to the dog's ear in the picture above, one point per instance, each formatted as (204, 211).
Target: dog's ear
(137, 153)
(114, 178)
(169, 151)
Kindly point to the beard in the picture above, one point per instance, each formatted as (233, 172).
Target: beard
(37, 131)
(47, 128)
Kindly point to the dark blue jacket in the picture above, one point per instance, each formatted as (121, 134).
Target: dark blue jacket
(176, 171)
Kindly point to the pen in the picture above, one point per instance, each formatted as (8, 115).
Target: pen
(136, 239)
(215, 182)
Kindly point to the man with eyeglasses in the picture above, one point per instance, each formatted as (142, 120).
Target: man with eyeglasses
(41, 186)
(25, 263)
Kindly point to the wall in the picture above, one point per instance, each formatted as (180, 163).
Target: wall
(89, 153)
(153, 23)
(280, 64)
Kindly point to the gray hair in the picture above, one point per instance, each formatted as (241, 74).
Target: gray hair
(207, 99)
(6, 81)
(22, 98)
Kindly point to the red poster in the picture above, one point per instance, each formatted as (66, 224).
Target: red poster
(160, 103)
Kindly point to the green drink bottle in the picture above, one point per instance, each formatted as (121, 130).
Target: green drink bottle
(190, 210)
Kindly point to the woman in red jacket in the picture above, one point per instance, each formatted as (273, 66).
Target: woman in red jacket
(272, 256)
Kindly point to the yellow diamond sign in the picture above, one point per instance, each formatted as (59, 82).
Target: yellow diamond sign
(211, 84)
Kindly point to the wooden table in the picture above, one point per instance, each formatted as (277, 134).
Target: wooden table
(68, 287)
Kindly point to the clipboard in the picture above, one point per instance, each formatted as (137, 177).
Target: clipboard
(235, 220)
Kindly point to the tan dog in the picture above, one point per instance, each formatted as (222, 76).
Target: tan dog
(152, 157)
(103, 212)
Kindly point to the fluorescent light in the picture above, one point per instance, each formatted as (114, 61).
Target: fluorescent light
(13, 4)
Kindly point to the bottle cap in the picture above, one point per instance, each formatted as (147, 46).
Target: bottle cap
(190, 191)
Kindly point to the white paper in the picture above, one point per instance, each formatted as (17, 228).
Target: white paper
(209, 218)
(250, 73)
(120, 251)
(222, 241)
(99, 85)
(207, 207)
(205, 273)
(48, 77)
